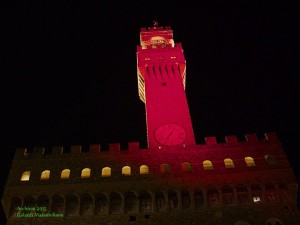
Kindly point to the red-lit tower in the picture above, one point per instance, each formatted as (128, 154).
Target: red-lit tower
(161, 84)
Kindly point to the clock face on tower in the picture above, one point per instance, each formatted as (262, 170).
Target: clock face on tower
(170, 134)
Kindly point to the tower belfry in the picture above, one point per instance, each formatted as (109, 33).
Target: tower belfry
(161, 70)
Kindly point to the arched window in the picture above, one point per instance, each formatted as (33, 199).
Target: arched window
(145, 202)
(130, 202)
(242, 194)
(44, 201)
(72, 205)
(213, 197)
(164, 168)
(86, 173)
(173, 200)
(199, 200)
(115, 203)
(45, 175)
(25, 176)
(227, 193)
(228, 163)
(185, 200)
(283, 192)
(86, 207)
(160, 201)
(256, 193)
(249, 161)
(186, 167)
(106, 172)
(65, 174)
(101, 204)
(58, 203)
(207, 165)
(144, 169)
(30, 203)
(126, 170)
(270, 193)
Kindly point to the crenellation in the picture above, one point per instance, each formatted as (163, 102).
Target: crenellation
(251, 138)
(21, 152)
(271, 137)
(76, 149)
(114, 148)
(57, 150)
(210, 140)
(95, 148)
(133, 146)
(38, 151)
(231, 139)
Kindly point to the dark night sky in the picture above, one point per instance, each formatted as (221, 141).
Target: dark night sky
(69, 74)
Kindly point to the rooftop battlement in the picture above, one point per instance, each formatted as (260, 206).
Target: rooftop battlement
(156, 28)
(115, 148)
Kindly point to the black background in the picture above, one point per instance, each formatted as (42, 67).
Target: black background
(69, 72)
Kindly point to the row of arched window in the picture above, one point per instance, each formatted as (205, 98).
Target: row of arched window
(151, 201)
(144, 169)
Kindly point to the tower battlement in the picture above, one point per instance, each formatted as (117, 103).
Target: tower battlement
(156, 28)
(115, 148)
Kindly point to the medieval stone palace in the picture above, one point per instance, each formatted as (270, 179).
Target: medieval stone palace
(174, 181)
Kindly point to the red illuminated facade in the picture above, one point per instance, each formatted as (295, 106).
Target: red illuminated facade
(174, 181)
(161, 83)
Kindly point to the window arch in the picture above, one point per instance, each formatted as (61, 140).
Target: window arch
(249, 161)
(145, 202)
(270, 193)
(25, 176)
(207, 165)
(173, 200)
(115, 203)
(126, 170)
(213, 197)
(160, 201)
(242, 194)
(65, 174)
(86, 207)
(144, 169)
(30, 202)
(164, 168)
(101, 204)
(185, 200)
(45, 175)
(72, 205)
(44, 201)
(186, 167)
(58, 203)
(227, 193)
(228, 163)
(106, 172)
(256, 193)
(130, 202)
(283, 192)
(86, 173)
(198, 197)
